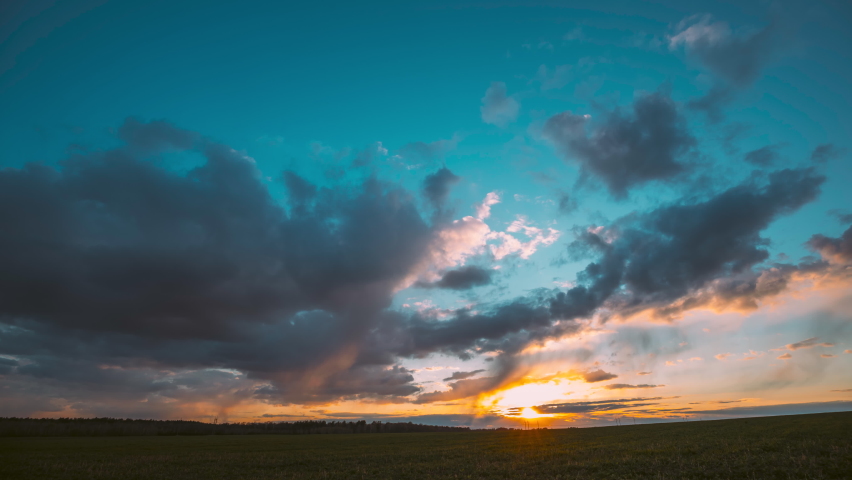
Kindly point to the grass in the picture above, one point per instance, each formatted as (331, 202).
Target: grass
(801, 446)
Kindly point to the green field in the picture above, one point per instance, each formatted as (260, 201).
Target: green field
(802, 446)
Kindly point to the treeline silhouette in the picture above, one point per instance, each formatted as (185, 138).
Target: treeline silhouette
(112, 427)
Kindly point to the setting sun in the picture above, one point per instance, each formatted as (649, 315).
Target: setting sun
(530, 413)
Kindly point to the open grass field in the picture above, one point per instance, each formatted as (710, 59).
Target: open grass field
(802, 446)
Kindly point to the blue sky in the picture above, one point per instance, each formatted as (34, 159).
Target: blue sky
(586, 124)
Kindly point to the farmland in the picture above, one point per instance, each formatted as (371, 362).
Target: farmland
(803, 446)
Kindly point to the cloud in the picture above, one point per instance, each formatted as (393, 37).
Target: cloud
(483, 210)
(460, 389)
(462, 375)
(736, 57)
(785, 356)
(837, 250)
(436, 187)
(723, 356)
(130, 262)
(762, 157)
(810, 342)
(596, 406)
(510, 245)
(622, 386)
(598, 376)
(644, 373)
(825, 152)
(827, 355)
(463, 278)
(625, 150)
(141, 290)
(498, 108)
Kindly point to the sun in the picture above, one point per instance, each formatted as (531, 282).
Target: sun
(528, 413)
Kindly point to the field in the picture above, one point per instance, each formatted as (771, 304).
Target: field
(802, 446)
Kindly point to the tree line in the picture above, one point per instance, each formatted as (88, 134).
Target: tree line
(110, 427)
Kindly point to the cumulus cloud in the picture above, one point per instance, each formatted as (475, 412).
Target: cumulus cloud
(837, 250)
(204, 262)
(625, 150)
(510, 245)
(498, 108)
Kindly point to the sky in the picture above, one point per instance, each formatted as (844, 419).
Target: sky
(455, 213)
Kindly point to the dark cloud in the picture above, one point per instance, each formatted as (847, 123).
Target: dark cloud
(364, 382)
(463, 278)
(597, 406)
(598, 376)
(436, 187)
(838, 250)
(626, 150)
(622, 386)
(460, 389)
(762, 157)
(462, 375)
(825, 152)
(206, 261)
(667, 258)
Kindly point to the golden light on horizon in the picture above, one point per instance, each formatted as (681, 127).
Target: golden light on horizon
(529, 413)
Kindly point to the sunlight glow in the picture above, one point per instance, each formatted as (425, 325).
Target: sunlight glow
(530, 413)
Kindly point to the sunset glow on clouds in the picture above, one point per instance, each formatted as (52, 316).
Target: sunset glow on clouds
(650, 218)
